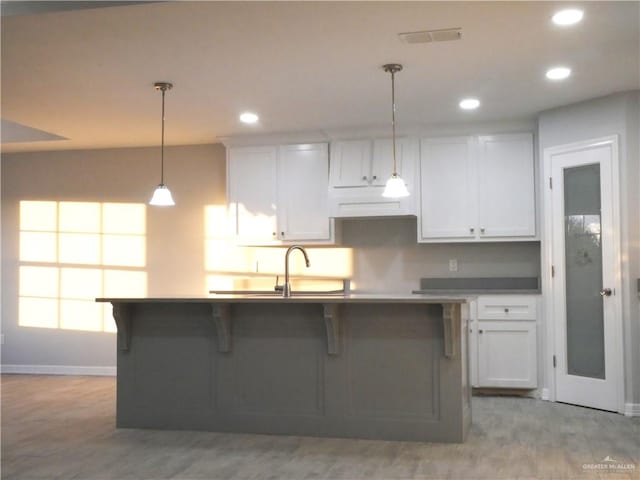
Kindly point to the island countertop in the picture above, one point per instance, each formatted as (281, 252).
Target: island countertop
(301, 298)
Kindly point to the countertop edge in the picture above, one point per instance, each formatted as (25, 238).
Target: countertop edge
(354, 298)
(479, 292)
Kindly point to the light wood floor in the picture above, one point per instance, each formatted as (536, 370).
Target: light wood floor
(63, 428)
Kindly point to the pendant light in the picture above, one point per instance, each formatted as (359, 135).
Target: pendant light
(162, 196)
(395, 187)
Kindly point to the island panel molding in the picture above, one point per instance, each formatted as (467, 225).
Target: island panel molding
(221, 313)
(358, 366)
(331, 313)
(122, 317)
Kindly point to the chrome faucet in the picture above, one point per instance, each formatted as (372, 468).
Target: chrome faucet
(286, 288)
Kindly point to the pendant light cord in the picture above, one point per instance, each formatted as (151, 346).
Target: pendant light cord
(393, 120)
(162, 142)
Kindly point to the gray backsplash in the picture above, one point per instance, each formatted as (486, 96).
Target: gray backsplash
(387, 257)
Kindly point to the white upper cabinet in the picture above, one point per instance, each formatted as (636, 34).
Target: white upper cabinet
(382, 161)
(350, 164)
(252, 193)
(477, 189)
(303, 175)
(506, 188)
(359, 170)
(278, 194)
(447, 189)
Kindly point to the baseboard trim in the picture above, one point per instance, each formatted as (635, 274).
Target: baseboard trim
(508, 392)
(546, 394)
(632, 409)
(59, 370)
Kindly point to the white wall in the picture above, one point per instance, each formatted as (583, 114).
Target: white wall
(615, 114)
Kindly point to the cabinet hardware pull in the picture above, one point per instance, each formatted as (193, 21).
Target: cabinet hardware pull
(471, 230)
(282, 234)
(375, 177)
(605, 292)
(364, 177)
(482, 230)
(273, 233)
(480, 331)
(506, 310)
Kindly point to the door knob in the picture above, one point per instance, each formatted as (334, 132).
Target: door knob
(605, 292)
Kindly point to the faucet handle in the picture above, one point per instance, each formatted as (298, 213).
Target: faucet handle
(278, 288)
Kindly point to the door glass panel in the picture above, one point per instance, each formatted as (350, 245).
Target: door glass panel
(583, 258)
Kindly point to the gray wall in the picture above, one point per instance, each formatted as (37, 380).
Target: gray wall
(615, 114)
(386, 256)
(175, 247)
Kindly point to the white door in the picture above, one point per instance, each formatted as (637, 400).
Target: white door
(251, 193)
(585, 286)
(448, 209)
(506, 186)
(303, 182)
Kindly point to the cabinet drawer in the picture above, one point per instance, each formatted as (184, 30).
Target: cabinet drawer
(507, 307)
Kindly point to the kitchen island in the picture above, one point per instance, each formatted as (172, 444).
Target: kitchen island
(390, 367)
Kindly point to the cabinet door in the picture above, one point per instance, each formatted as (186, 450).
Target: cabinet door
(382, 162)
(447, 188)
(507, 354)
(303, 185)
(251, 193)
(351, 163)
(506, 186)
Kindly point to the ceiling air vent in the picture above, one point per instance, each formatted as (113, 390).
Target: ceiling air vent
(427, 36)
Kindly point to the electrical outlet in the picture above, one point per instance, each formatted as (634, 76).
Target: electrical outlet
(453, 264)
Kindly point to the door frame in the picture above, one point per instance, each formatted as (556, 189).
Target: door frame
(549, 393)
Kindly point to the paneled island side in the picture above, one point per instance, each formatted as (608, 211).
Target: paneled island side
(390, 367)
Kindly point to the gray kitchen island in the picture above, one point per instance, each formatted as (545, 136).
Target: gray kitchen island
(390, 367)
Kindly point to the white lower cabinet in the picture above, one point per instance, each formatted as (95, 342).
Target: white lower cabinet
(503, 352)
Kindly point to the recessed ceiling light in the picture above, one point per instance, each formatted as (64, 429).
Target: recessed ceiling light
(570, 16)
(248, 117)
(469, 103)
(558, 73)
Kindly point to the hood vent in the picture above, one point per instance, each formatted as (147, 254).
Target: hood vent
(428, 36)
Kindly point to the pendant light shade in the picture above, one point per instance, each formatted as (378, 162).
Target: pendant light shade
(395, 187)
(162, 195)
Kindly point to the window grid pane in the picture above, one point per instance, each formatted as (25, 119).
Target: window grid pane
(85, 234)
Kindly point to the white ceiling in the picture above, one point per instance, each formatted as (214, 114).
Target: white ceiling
(87, 75)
